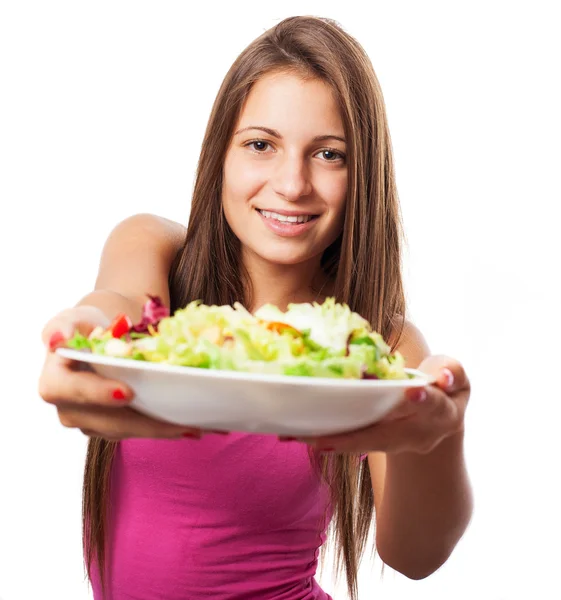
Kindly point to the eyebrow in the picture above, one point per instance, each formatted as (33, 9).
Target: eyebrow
(275, 133)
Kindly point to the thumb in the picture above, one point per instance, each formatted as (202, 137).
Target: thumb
(449, 373)
(82, 319)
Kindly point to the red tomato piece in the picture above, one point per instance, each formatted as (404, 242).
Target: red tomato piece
(121, 325)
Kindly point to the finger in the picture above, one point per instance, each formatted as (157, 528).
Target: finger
(404, 410)
(441, 411)
(60, 383)
(449, 373)
(216, 431)
(62, 327)
(430, 400)
(403, 428)
(374, 438)
(127, 423)
(90, 432)
(394, 436)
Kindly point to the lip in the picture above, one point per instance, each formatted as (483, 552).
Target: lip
(287, 213)
(287, 229)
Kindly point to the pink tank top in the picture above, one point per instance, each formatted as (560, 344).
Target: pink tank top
(226, 517)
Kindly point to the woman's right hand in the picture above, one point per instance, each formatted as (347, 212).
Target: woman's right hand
(99, 407)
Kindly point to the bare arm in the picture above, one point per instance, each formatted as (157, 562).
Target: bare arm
(136, 260)
(424, 501)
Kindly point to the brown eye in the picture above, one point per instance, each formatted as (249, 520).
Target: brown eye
(331, 155)
(258, 145)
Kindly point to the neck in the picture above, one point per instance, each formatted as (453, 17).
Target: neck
(282, 284)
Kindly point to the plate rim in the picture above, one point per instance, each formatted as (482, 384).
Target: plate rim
(421, 378)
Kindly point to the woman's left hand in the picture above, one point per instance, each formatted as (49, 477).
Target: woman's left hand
(419, 423)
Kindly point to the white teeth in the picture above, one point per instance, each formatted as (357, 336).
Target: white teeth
(284, 218)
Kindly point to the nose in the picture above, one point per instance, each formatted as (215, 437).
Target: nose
(291, 179)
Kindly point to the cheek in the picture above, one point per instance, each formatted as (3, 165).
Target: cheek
(335, 196)
(240, 184)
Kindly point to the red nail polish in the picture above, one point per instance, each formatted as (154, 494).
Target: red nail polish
(118, 394)
(418, 396)
(188, 434)
(287, 438)
(449, 376)
(56, 339)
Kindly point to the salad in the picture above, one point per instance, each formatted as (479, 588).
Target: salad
(307, 340)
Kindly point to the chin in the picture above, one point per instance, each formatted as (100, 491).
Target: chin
(286, 252)
(284, 258)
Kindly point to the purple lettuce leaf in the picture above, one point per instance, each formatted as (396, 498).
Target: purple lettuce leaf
(152, 313)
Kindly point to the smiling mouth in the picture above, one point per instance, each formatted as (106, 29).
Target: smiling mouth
(286, 218)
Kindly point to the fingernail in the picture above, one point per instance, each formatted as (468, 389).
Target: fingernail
(449, 376)
(419, 395)
(286, 438)
(56, 339)
(119, 395)
(188, 434)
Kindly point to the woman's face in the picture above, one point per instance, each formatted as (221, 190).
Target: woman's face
(285, 172)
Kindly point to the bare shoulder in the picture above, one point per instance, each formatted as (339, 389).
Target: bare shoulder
(154, 227)
(138, 254)
(147, 234)
(411, 343)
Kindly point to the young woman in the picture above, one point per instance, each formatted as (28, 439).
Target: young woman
(298, 129)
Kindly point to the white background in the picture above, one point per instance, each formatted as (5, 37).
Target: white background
(102, 111)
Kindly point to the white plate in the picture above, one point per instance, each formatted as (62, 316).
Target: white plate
(236, 401)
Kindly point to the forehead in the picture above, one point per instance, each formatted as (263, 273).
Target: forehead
(292, 105)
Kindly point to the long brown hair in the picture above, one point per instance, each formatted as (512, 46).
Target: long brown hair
(364, 263)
